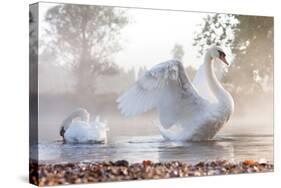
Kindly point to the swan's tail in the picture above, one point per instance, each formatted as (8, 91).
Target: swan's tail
(168, 134)
(173, 135)
(99, 124)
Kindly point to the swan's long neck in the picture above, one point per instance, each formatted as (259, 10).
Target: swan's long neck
(78, 113)
(220, 93)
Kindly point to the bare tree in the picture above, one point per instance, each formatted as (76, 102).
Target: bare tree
(86, 37)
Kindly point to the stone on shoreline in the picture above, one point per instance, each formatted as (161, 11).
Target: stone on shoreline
(87, 172)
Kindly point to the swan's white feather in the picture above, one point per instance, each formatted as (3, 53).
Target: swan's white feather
(188, 111)
(202, 85)
(82, 131)
(160, 88)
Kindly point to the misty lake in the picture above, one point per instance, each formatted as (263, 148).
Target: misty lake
(248, 135)
(155, 148)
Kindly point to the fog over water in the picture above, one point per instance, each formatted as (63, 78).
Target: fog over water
(245, 121)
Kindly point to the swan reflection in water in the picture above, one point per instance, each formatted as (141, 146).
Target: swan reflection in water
(155, 148)
(193, 152)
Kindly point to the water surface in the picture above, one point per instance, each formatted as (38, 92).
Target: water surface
(155, 148)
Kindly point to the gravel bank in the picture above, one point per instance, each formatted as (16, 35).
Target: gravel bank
(85, 172)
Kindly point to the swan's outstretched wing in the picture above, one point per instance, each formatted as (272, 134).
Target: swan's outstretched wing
(165, 87)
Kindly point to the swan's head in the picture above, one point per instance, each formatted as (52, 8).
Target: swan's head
(217, 53)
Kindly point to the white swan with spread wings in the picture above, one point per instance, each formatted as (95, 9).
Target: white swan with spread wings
(185, 110)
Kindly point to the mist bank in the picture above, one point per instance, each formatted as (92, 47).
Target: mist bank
(251, 116)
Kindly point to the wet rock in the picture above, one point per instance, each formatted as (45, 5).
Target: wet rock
(121, 163)
(249, 162)
(174, 173)
(146, 162)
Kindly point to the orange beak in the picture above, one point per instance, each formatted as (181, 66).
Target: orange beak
(223, 60)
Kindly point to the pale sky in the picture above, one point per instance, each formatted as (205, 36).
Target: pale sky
(151, 35)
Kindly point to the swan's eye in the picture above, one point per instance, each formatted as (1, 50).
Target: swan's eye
(221, 53)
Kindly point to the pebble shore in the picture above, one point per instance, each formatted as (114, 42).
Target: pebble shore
(86, 172)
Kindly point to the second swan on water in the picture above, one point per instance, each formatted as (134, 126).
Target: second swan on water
(81, 130)
(186, 112)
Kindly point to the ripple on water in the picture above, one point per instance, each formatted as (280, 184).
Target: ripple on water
(155, 148)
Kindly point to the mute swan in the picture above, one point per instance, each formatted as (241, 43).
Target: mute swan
(186, 114)
(82, 131)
